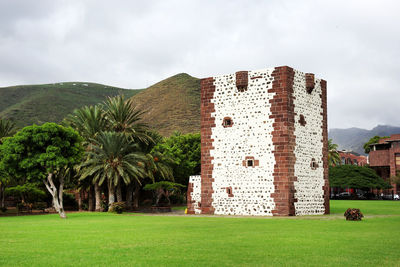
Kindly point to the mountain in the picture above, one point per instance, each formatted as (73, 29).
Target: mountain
(172, 104)
(354, 138)
(28, 104)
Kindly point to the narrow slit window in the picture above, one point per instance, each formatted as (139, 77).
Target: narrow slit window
(314, 164)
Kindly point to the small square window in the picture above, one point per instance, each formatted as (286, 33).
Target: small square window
(227, 122)
(250, 163)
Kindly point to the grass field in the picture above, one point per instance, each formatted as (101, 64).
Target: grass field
(125, 240)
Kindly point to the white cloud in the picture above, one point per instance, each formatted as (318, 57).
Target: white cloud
(132, 44)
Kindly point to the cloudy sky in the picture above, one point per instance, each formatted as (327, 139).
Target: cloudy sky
(354, 45)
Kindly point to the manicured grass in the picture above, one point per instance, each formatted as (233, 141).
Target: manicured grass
(367, 207)
(129, 240)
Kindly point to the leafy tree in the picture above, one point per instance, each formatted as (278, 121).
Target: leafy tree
(352, 176)
(6, 130)
(333, 154)
(395, 179)
(373, 140)
(4, 181)
(163, 188)
(39, 153)
(27, 193)
(185, 151)
(113, 158)
(89, 121)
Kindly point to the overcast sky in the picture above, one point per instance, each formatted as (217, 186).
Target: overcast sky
(354, 45)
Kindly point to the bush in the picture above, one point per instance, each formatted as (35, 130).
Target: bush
(3, 209)
(70, 202)
(104, 205)
(117, 207)
(40, 205)
(353, 215)
(177, 199)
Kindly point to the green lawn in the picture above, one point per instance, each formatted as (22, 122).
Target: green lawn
(129, 240)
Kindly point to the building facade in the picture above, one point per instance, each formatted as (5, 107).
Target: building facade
(384, 158)
(263, 145)
(352, 158)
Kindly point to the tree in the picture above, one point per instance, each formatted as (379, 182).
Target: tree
(89, 121)
(185, 151)
(371, 141)
(113, 158)
(163, 188)
(333, 155)
(358, 177)
(6, 129)
(27, 193)
(39, 153)
(124, 118)
(395, 179)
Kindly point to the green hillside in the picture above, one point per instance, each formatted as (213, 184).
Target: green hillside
(28, 104)
(172, 104)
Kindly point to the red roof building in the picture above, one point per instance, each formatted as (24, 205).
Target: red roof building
(352, 158)
(384, 158)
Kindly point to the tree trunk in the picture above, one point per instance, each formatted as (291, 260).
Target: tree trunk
(129, 196)
(97, 192)
(91, 197)
(2, 189)
(111, 195)
(136, 196)
(56, 194)
(119, 192)
(80, 200)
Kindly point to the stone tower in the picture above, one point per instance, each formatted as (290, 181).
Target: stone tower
(264, 145)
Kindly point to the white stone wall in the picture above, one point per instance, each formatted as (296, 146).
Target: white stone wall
(196, 194)
(250, 135)
(309, 145)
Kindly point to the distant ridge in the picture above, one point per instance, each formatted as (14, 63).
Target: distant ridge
(354, 138)
(28, 104)
(172, 104)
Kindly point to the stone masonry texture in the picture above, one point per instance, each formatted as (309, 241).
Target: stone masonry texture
(272, 159)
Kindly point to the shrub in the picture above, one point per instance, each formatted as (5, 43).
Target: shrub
(104, 205)
(353, 215)
(70, 202)
(117, 207)
(3, 209)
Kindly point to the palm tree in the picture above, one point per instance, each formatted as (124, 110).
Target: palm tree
(113, 158)
(333, 154)
(6, 129)
(124, 118)
(89, 121)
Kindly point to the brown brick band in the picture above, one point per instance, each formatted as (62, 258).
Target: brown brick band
(284, 140)
(207, 123)
(325, 145)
